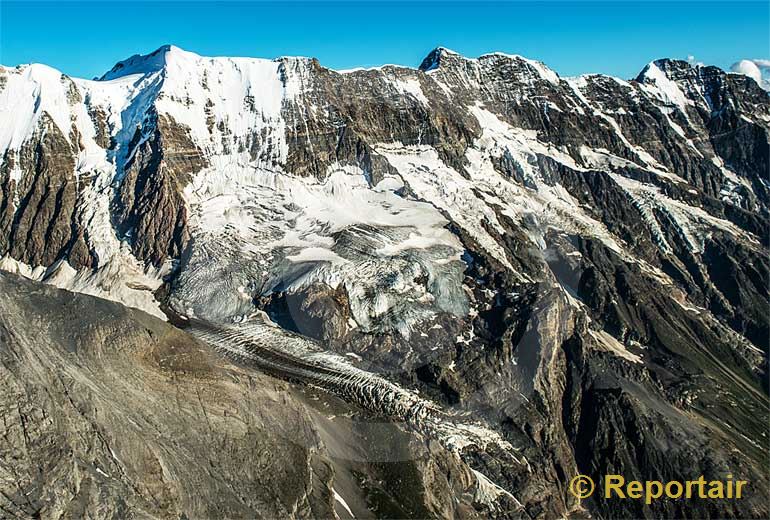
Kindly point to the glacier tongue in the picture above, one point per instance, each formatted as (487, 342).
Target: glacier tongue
(258, 342)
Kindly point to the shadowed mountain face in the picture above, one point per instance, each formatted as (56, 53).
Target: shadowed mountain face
(539, 276)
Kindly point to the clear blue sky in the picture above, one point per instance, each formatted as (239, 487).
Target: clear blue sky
(85, 39)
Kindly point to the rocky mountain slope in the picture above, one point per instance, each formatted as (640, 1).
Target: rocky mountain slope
(545, 276)
(111, 413)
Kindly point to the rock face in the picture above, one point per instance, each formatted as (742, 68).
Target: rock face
(38, 209)
(149, 205)
(572, 272)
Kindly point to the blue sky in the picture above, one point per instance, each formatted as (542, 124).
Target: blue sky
(85, 39)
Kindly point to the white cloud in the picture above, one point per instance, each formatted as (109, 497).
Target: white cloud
(759, 70)
(693, 62)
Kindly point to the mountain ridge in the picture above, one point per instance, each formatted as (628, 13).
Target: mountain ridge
(152, 62)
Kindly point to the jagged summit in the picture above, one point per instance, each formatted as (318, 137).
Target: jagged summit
(143, 63)
(435, 57)
(671, 69)
(516, 66)
(680, 70)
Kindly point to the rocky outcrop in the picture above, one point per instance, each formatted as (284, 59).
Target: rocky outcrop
(40, 200)
(149, 208)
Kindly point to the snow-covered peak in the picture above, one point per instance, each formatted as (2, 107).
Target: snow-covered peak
(222, 103)
(662, 75)
(148, 63)
(174, 59)
(29, 91)
(670, 66)
(679, 71)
